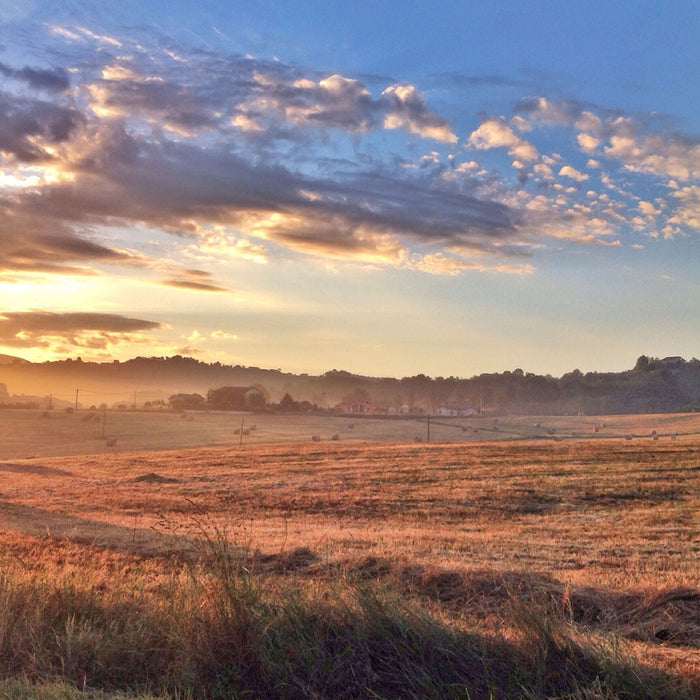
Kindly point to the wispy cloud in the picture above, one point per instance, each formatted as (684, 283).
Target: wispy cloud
(198, 280)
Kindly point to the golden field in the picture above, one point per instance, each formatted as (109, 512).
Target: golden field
(600, 525)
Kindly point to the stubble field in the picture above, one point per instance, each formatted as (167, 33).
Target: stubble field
(579, 537)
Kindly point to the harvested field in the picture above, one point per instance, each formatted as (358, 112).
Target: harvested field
(601, 533)
(28, 433)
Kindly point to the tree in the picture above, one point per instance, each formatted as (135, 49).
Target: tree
(288, 403)
(358, 395)
(643, 364)
(255, 400)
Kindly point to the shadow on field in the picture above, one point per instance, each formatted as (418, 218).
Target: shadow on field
(670, 616)
(667, 616)
(38, 522)
(32, 469)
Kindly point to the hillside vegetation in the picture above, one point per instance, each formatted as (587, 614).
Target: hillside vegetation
(652, 386)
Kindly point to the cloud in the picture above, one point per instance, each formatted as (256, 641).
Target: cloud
(33, 238)
(253, 95)
(193, 284)
(27, 329)
(687, 212)
(246, 159)
(30, 128)
(570, 172)
(494, 132)
(123, 90)
(571, 113)
(587, 142)
(79, 33)
(120, 178)
(223, 335)
(668, 155)
(56, 80)
(214, 175)
(648, 209)
(406, 108)
(620, 137)
(441, 264)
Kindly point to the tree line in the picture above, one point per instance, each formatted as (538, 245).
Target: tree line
(669, 384)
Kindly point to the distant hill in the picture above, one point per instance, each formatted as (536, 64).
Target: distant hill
(653, 385)
(12, 360)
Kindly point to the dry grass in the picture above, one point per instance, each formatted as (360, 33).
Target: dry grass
(596, 540)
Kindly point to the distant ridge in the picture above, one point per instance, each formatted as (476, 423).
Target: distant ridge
(653, 385)
(12, 360)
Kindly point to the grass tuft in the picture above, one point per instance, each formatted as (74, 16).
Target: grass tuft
(217, 628)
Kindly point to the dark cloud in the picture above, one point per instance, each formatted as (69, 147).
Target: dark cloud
(28, 127)
(172, 184)
(56, 80)
(93, 330)
(34, 239)
(215, 93)
(166, 102)
(125, 170)
(48, 322)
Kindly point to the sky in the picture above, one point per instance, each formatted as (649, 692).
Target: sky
(388, 188)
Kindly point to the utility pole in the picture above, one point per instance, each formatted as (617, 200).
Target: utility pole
(104, 421)
(428, 423)
(76, 399)
(241, 443)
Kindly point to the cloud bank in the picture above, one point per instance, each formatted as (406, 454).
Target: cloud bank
(256, 159)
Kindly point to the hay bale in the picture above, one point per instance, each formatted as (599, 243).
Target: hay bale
(316, 438)
(111, 442)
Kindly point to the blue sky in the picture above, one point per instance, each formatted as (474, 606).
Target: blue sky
(388, 187)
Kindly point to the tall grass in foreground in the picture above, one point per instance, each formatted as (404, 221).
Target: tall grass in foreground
(214, 628)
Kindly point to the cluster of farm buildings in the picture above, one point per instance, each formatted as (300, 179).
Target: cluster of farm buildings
(255, 398)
